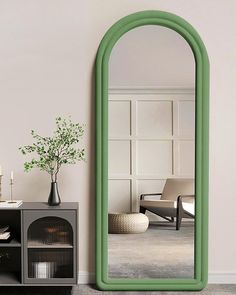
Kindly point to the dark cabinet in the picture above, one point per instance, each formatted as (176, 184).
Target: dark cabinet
(43, 247)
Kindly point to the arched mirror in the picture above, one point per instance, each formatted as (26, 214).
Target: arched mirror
(152, 108)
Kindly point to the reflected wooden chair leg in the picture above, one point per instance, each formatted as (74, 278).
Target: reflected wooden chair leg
(178, 221)
(142, 210)
(179, 215)
(179, 212)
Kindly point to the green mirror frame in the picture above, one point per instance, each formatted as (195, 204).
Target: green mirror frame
(182, 27)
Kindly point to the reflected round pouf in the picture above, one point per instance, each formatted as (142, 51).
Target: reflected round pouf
(127, 223)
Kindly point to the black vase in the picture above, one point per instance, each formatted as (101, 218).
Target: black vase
(54, 198)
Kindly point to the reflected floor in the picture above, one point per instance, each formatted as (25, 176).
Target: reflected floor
(160, 252)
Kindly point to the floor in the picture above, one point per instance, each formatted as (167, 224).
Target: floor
(91, 290)
(210, 290)
(160, 252)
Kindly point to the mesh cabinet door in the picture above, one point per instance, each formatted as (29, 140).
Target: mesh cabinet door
(50, 254)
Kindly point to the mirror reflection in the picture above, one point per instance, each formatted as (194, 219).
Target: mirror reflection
(151, 155)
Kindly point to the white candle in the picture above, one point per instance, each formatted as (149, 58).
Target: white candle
(0, 170)
(12, 176)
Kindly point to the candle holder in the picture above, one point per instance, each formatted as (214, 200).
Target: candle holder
(11, 185)
(1, 201)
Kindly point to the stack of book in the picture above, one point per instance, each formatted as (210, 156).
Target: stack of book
(4, 233)
(11, 204)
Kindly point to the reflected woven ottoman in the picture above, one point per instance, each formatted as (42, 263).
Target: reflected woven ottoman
(127, 223)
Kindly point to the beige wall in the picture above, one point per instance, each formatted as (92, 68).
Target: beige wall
(47, 55)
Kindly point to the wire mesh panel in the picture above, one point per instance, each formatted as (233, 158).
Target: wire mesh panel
(50, 247)
(50, 263)
(50, 231)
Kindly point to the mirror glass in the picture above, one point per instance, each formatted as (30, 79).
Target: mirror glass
(151, 152)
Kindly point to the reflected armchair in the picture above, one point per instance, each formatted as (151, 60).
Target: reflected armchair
(176, 201)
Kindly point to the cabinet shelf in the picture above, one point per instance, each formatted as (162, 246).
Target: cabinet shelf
(12, 243)
(9, 278)
(41, 245)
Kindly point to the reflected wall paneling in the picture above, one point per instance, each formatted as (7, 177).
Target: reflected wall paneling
(148, 126)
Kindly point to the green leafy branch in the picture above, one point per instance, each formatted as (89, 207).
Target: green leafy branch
(57, 150)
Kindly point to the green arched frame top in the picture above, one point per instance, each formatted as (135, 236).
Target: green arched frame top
(179, 25)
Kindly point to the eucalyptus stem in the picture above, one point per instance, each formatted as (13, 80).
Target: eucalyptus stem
(57, 150)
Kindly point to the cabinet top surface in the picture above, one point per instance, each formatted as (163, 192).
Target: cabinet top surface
(44, 206)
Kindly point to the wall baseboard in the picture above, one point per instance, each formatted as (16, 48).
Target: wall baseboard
(85, 277)
(222, 278)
